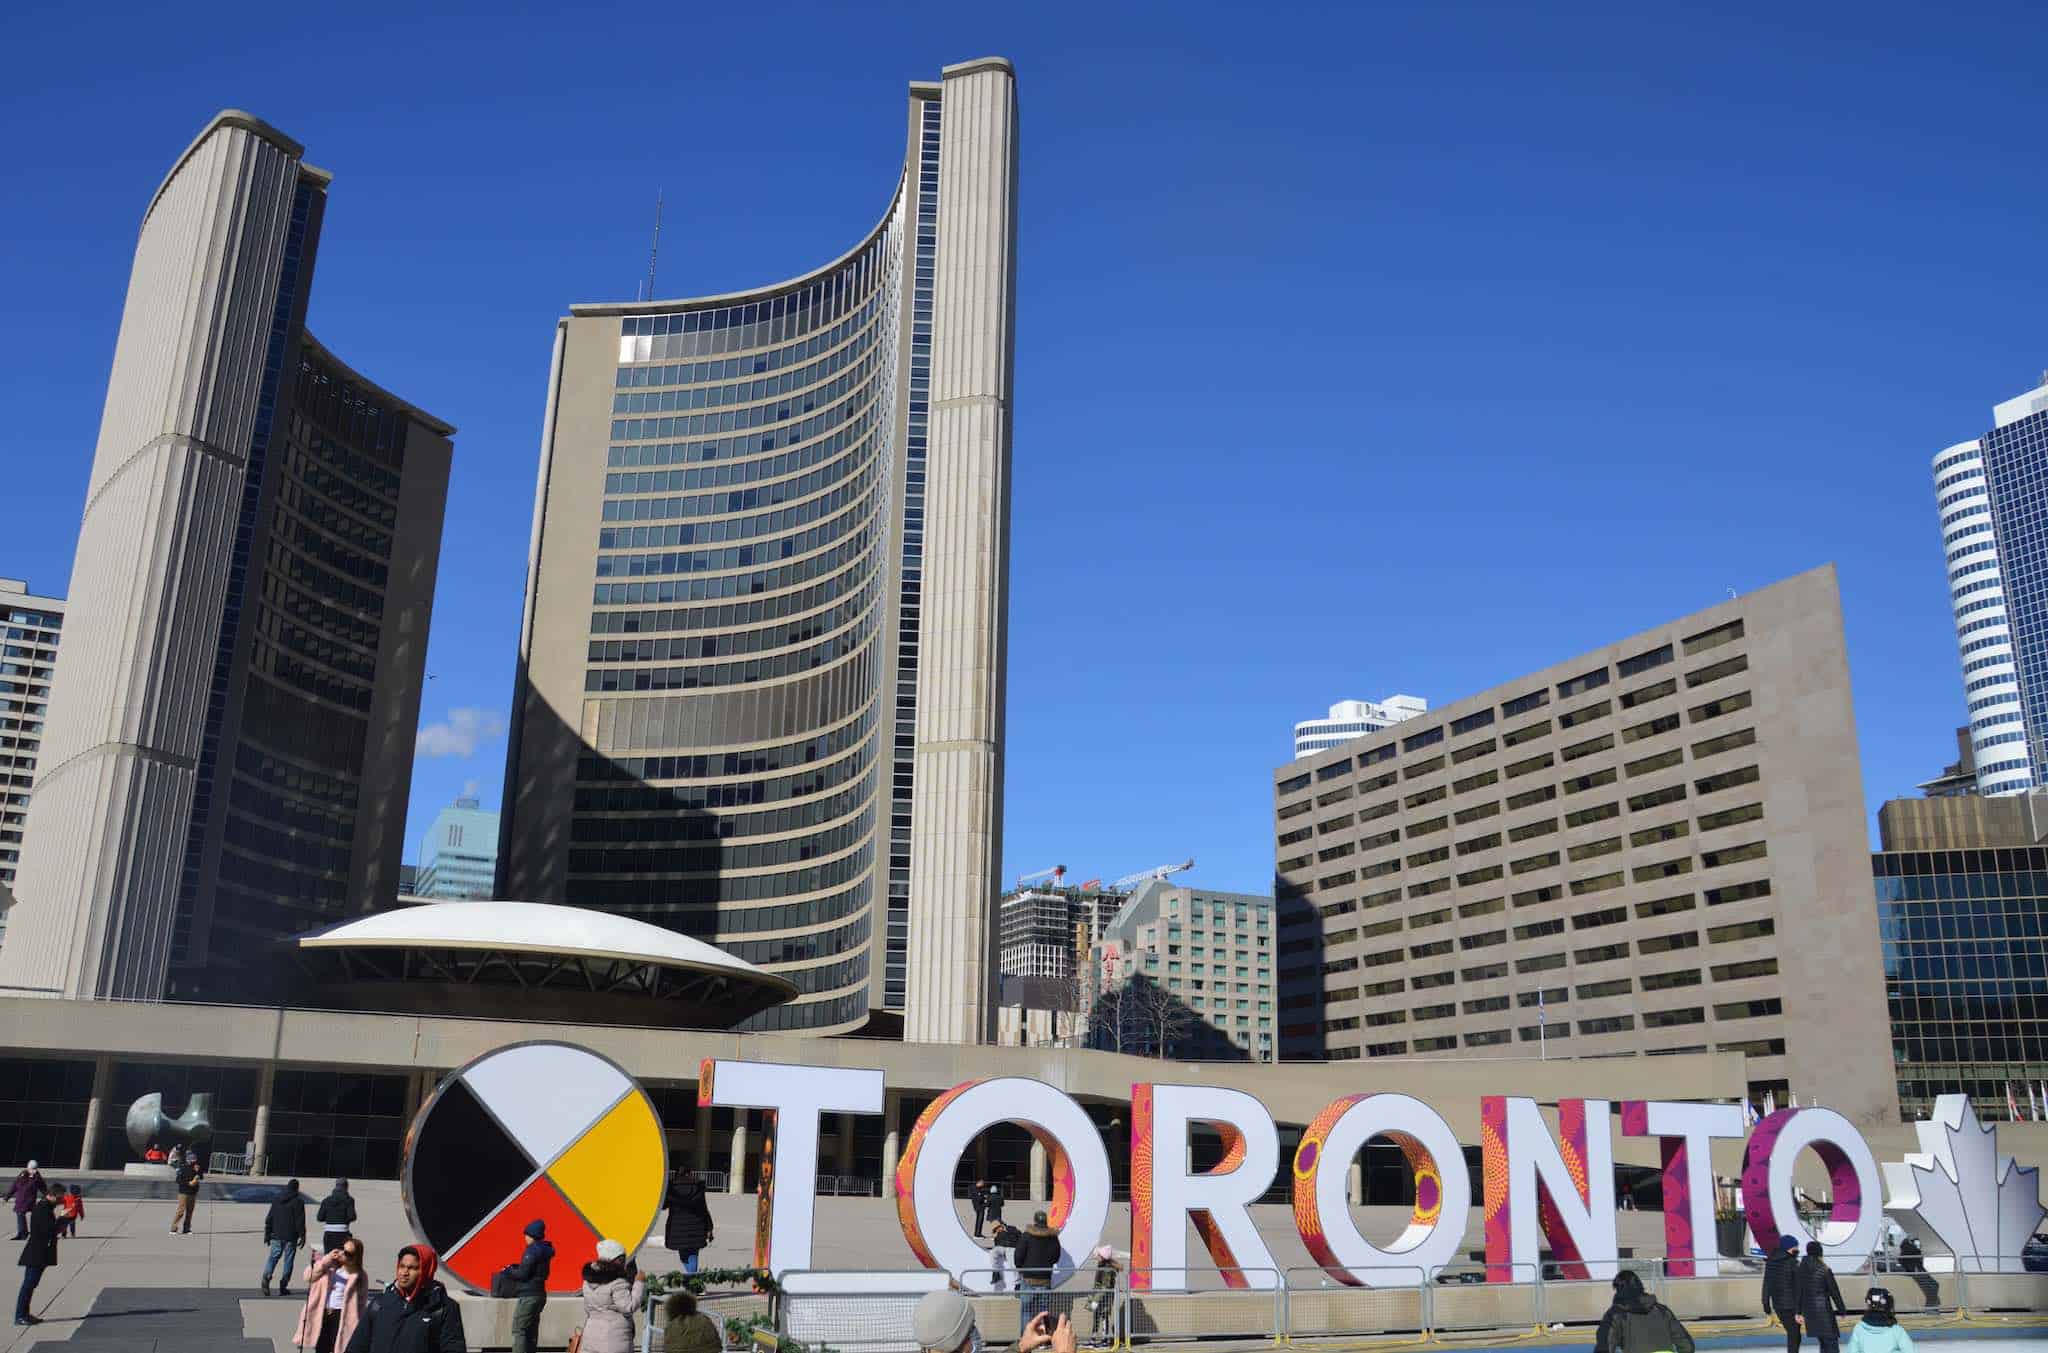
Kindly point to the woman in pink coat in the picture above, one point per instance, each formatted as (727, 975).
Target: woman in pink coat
(335, 1293)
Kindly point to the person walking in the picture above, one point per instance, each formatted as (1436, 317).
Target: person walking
(23, 1192)
(528, 1280)
(1879, 1331)
(413, 1315)
(687, 1330)
(39, 1254)
(1038, 1254)
(993, 1200)
(979, 1197)
(613, 1293)
(688, 1229)
(1102, 1302)
(1781, 1289)
(72, 1210)
(188, 1196)
(284, 1230)
(336, 1215)
(336, 1291)
(1820, 1299)
(1637, 1322)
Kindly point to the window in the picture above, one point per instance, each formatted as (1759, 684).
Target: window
(1587, 816)
(1334, 769)
(1434, 979)
(1668, 1019)
(1743, 930)
(1541, 794)
(1727, 779)
(1476, 812)
(1486, 1005)
(1527, 863)
(1585, 714)
(1599, 883)
(1478, 843)
(1424, 857)
(1610, 1024)
(1444, 1011)
(1727, 704)
(1430, 795)
(1661, 761)
(1531, 1033)
(1541, 963)
(1522, 704)
(1588, 747)
(1421, 768)
(1490, 1038)
(1715, 671)
(1549, 892)
(1593, 920)
(1579, 685)
(1379, 1019)
(1525, 733)
(1431, 950)
(1663, 869)
(1460, 755)
(1379, 810)
(1643, 695)
(1755, 1047)
(1643, 662)
(1485, 940)
(1748, 812)
(1619, 986)
(1536, 930)
(1656, 798)
(1424, 919)
(1366, 932)
(1750, 1009)
(1292, 786)
(1482, 779)
(1741, 737)
(1443, 1044)
(1737, 892)
(1663, 723)
(1713, 638)
(1581, 783)
(1604, 953)
(1378, 839)
(1752, 850)
(1380, 781)
(1650, 836)
(1529, 830)
(1671, 981)
(1593, 850)
(1533, 763)
(1428, 737)
(1374, 756)
(1460, 727)
(1664, 906)
(1329, 797)
(1664, 944)
(1736, 972)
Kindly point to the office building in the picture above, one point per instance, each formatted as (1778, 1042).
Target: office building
(1043, 932)
(30, 627)
(759, 692)
(1660, 841)
(459, 859)
(230, 733)
(1959, 777)
(1190, 969)
(1349, 719)
(1962, 912)
(1992, 494)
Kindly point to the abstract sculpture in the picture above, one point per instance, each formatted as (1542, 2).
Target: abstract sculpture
(147, 1123)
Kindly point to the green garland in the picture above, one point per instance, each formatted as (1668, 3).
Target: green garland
(740, 1330)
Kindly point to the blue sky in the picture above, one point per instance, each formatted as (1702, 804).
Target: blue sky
(1360, 350)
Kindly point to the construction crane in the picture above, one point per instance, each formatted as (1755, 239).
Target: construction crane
(1056, 873)
(1146, 875)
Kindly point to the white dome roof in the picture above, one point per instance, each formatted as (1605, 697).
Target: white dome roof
(535, 927)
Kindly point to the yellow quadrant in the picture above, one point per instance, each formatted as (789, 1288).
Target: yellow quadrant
(613, 1172)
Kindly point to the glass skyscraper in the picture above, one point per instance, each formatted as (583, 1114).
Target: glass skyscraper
(760, 683)
(1992, 494)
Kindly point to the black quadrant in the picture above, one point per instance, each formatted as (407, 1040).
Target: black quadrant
(463, 1166)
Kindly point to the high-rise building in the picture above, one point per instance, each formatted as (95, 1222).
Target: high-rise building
(459, 859)
(1992, 494)
(1656, 847)
(1962, 912)
(1350, 719)
(1187, 972)
(1041, 931)
(759, 694)
(230, 734)
(30, 627)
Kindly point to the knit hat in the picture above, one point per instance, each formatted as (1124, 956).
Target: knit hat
(1039, 1219)
(941, 1321)
(1787, 1243)
(537, 1228)
(611, 1249)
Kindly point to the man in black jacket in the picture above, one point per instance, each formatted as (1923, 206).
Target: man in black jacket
(284, 1230)
(1781, 1289)
(189, 1176)
(39, 1253)
(337, 1213)
(1038, 1254)
(413, 1315)
(529, 1283)
(689, 1218)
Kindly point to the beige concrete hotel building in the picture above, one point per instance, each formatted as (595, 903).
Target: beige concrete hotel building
(1654, 848)
(759, 697)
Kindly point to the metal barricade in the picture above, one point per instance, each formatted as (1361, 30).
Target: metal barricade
(1461, 1298)
(857, 1312)
(1001, 1302)
(1318, 1304)
(1189, 1303)
(720, 1304)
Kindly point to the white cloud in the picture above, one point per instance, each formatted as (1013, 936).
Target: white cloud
(461, 733)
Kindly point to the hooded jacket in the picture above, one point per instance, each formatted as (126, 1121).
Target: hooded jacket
(27, 1187)
(530, 1274)
(321, 1275)
(610, 1301)
(337, 1210)
(689, 1216)
(1820, 1299)
(1038, 1254)
(1781, 1281)
(1638, 1323)
(425, 1321)
(286, 1219)
(40, 1251)
(1871, 1337)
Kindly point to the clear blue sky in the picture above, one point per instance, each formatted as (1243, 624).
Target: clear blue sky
(1359, 350)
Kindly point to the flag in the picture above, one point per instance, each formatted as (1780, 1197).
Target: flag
(2033, 1106)
(2012, 1106)
(1749, 1115)
(2044, 1099)
(1770, 1102)
(1795, 1099)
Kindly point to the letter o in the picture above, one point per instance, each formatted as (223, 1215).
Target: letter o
(1856, 1211)
(1443, 1191)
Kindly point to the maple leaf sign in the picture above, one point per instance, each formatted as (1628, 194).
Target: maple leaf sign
(1958, 1194)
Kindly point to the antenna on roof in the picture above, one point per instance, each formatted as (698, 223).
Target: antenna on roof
(654, 253)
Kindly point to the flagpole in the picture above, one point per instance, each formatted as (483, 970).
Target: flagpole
(1542, 1029)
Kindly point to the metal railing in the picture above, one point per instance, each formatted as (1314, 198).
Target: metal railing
(1330, 1302)
(1243, 1303)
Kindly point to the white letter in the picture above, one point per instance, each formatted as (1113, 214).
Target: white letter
(1443, 1191)
(1856, 1211)
(1580, 1222)
(1165, 1197)
(1686, 1131)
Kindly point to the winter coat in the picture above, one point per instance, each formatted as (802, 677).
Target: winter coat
(610, 1301)
(25, 1190)
(188, 1179)
(321, 1276)
(286, 1219)
(1781, 1281)
(689, 1217)
(530, 1274)
(694, 1333)
(1820, 1299)
(429, 1323)
(1869, 1337)
(337, 1211)
(41, 1249)
(1639, 1323)
(1038, 1253)
(994, 1198)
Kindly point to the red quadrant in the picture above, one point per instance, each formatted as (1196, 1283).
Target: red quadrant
(502, 1239)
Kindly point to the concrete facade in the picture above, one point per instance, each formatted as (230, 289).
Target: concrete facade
(231, 725)
(31, 626)
(1205, 956)
(1661, 840)
(823, 799)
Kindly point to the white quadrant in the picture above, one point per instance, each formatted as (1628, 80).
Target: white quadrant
(546, 1094)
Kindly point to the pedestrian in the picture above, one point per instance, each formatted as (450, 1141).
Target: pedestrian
(1879, 1331)
(1820, 1299)
(994, 1202)
(1038, 1254)
(72, 1210)
(979, 1197)
(336, 1291)
(613, 1293)
(943, 1322)
(1637, 1322)
(687, 1330)
(528, 1281)
(1102, 1304)
(689, 1227)
(336, 1215)
(284, 1230)
(413, 1314)
(39, 1254)
(155, 1154)
(1781, 1289)
(23, 1192)
(188, 1196)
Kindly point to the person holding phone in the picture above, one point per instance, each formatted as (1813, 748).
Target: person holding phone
(335, 1293)
(943, 1322)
